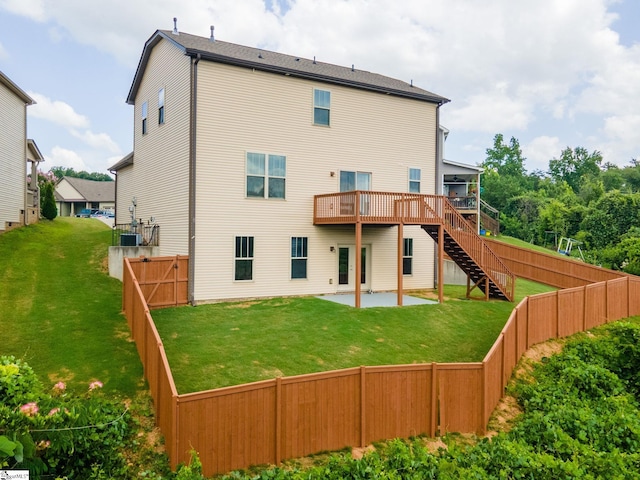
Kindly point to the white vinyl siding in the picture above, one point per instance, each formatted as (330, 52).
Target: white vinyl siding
(13, 159)
(235, 117)
(159, 177)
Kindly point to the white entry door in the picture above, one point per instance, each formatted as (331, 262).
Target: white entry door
(347, 267)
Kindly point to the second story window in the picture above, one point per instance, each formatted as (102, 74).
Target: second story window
(266, 175)
(161, 106)
(321, 107)
(414, 180)
(145, 111)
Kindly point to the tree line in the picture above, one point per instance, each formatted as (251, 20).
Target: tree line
(580, 197)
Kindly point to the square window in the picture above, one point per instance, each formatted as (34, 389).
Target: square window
(321, 107)
(298, 257)
(266, 175)
(244, 258)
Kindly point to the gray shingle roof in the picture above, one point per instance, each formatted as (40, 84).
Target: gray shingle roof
(91, 190)
(250, 57)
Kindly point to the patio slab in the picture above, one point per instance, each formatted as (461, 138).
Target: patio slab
(368, 300)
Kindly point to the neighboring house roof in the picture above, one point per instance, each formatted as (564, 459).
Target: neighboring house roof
(33, 152)
(89, 190)
(464, 166)
(16, 89)
(259, 59)
(125, 162)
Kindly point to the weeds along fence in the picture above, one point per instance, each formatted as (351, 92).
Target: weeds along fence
(268, 421)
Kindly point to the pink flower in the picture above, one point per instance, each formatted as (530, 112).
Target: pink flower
(60, 387)
(94, 385)
(53, 411)
(29, 409)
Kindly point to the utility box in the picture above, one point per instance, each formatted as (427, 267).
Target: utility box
(130, 239)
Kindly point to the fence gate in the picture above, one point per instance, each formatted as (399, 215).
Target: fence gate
(163, 280)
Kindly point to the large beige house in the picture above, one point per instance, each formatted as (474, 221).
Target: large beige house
(277, 174)
(19, 195)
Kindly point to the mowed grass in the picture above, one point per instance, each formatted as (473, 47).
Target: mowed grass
(60, 310)
(212, 346)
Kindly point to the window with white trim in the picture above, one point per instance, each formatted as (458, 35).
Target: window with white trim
(161, 106)
(321, 107)
(407, 256)
(299, 257)
(414, 180)
(266, 175)
(244, 258)
(145, 111)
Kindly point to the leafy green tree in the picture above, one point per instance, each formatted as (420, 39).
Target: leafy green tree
(504, 175)
(573, 164)
(520, 216)
(591, 189)
(612, 177)
(609, 218)
(48, 207)
(554, 217)
(631, 175)
(60, 172)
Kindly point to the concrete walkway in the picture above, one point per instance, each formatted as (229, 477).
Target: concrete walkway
(368, 300)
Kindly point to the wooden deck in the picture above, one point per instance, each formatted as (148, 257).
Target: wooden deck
(438, 217)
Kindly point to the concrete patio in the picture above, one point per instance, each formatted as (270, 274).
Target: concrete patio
(368, 300)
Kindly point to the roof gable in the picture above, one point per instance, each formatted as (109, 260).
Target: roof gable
(92, 190)
(16, 89)
(259, 59)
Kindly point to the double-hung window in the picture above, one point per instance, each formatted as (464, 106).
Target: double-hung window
(244, 258)
(161, 106)
(321, 107)
(414, 180)
(145, 112)
(266, 175)
(298, 257)
(407, 256)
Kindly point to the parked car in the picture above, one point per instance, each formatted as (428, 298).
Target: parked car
(86, 212)
(103, 214)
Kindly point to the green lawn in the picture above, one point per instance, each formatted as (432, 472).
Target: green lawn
(60, 310)
(218, 345)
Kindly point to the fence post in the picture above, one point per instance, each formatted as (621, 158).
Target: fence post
(584, 308)
(363, 401)
(434, 399)
(278, 420)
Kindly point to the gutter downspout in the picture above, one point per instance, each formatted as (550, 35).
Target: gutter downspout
(192, 180)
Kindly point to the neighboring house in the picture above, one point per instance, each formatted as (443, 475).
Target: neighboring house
(460, 182)
(19, 197)
(234, 148)
(73, 194)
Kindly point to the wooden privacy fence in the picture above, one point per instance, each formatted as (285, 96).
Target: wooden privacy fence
(268, 421)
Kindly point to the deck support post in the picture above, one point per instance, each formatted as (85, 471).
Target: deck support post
(440, 263)
(358, 278)
(400, 255)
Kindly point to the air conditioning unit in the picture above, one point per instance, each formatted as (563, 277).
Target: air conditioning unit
(130, 239)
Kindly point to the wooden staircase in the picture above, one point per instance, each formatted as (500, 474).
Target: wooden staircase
(483, 267)
(461, 240)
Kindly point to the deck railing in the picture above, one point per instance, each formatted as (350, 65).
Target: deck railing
(128, 235)
(413, 209)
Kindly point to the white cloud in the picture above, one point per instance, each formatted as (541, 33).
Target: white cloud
(539, 151)
(33, 9)
(55, 111)
(3, 52)
(61, 157)
(100, 141)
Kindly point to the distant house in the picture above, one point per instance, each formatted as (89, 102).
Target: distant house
(19, 195)
(73, 194)
(280, 175)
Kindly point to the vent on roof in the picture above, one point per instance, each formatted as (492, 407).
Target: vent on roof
(175, 26)
(314, 59)
(211, 38)
(353, 67)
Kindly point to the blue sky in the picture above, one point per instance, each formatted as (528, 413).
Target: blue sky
(552, 73)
